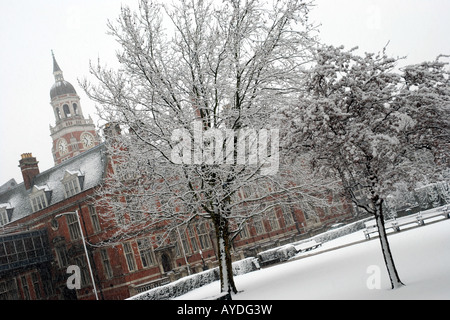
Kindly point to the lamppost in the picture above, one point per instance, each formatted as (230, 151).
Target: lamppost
(184, 251)
(84, 245)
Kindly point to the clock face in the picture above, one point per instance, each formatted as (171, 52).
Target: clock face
(62, 147)
(87, 140)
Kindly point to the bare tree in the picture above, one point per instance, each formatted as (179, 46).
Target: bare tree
(372, 127)
(196, 93)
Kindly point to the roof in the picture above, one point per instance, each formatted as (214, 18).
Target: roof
(91, 164)
(61, 87)
(8, 185)
(56, 67)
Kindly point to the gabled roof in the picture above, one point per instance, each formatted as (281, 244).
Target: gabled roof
(91, 164)
(11, 183)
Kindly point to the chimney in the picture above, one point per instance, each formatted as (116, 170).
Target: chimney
(30, 169)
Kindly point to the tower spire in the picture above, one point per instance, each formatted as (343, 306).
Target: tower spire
(72, 133)
(57, 72)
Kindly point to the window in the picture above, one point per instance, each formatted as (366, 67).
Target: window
(203, 236)
(273, 221)
(94, 218)
(193, 239)
(75, 108)
(38, 202)
(146, 252)
(25, 288)
(36, 285)
(74, 227)
(9, 290)
(40, 198)
(72, 182)
(133, 210)
(184, 242)
(3, 216)
(81, 262)
(61, 255)
(22, 249)
(118, 211)
(259, 226)
(129, 256)
(66, 111)
(106, 264)
(288, 216)
(71, 188)
(306, 212)
(244, 232)
(46, 279)
(246, 192)
(174, 240)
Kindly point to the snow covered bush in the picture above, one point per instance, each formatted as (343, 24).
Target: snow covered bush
(337, 233)
(186, 284)
(277, 254)
(245, 266)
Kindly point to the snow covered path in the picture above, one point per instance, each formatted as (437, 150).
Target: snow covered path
(422, 256)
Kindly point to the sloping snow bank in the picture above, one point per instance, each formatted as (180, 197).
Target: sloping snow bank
(422, 256)
(186, 284)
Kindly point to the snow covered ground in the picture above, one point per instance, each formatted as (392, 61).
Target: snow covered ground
(422, 256)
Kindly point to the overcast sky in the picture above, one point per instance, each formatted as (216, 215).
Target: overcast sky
(76, 31)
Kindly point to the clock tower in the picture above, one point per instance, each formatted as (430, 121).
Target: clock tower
(72, 133)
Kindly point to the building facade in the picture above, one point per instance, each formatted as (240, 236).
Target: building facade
(40, 237)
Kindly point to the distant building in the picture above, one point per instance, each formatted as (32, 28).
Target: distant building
(40, 236)
(72, 133)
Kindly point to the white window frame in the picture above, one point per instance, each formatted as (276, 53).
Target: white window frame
(203, 236)
(38, 198)
(71, 183)
(3, 216)
(287, 216)
(129, 256)
(272, 218)
(146, 252)
(106, 264)
(259, 225)
(94, 218)
(244, 233)
(73, 226)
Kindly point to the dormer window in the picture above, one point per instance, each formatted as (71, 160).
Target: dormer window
(5, 213)
(73, 183)
(40, 197)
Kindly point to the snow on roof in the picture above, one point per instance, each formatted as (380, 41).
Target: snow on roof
(74, 172)
(44, 187)
(90, 164)
(5, 205)
(8, 185)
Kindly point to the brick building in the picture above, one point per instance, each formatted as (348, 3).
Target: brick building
(40, 236)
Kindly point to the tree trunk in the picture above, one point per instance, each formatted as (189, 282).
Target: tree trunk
(385, 248)
(224, 257)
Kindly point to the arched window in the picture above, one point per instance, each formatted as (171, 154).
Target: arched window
(66, 110)
(75, 109)
(58, 114)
